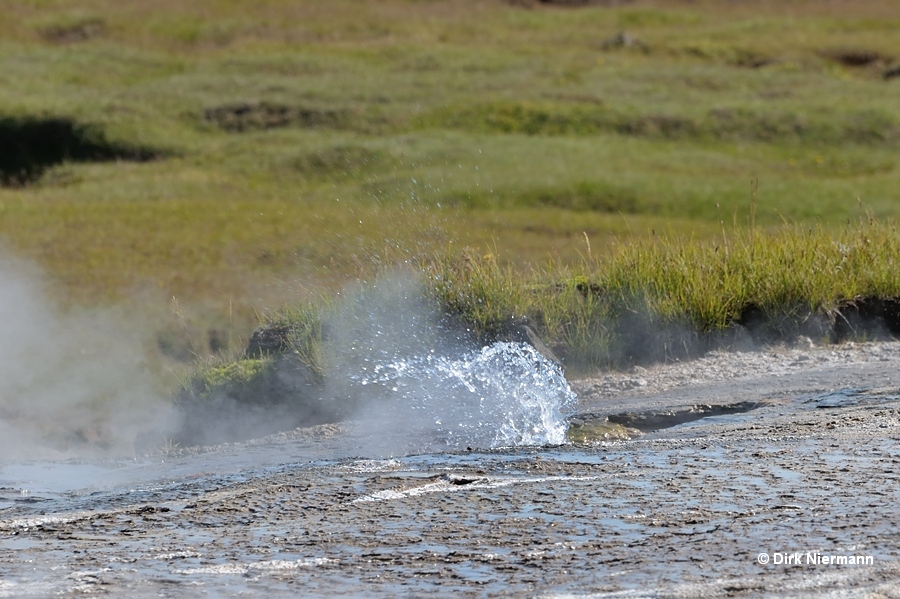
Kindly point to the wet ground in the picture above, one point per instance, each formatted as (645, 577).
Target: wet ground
(795, 470)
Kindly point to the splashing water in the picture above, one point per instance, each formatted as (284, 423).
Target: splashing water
(417, 379)
(506, 394)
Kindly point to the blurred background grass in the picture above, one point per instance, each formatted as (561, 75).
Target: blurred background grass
(300, 144)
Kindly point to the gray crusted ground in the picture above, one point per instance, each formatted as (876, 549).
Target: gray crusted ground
(677, 512)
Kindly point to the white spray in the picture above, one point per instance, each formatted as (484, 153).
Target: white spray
(419, 382)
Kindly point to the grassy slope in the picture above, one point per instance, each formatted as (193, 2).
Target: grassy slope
(642, 302)
(663, 298)
(457, 123)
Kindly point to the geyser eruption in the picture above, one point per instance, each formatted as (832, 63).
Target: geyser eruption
(505, 394)
(418, 380)
(409, 376)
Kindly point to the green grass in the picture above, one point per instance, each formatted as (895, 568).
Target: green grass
(244, 373)
(401, 130)
(664, 299)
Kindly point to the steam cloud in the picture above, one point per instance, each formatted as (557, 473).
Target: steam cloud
(76, 383)
(70, 383)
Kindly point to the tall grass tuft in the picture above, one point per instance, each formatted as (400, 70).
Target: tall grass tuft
(666, 298)
(477, 289)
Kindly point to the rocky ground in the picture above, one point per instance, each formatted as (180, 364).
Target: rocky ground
(749, 503)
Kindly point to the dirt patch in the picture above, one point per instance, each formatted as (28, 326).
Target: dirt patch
(569, 3)
(852, 319)
(867, 317)
(78, 31)
(623, 39)
(646, 341)
(855, 57)
(658, 125)
(257, 116)
(32, 145)
(270, 340)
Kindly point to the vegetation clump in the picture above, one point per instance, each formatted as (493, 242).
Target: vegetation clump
(670, 298)
(266, 115)
(274, 384)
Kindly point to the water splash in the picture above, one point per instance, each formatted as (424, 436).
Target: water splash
(417, 380)
(506, 394)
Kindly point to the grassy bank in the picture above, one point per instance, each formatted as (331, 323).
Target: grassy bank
(665, 298)
(661, 299)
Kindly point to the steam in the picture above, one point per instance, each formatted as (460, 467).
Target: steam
(73, 383)
(76, 383)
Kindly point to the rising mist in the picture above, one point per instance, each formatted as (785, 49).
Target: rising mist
(71, 382)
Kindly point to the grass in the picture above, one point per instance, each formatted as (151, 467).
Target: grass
(669, 298)
(244, 373)
(300, 145)
(664, 299)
